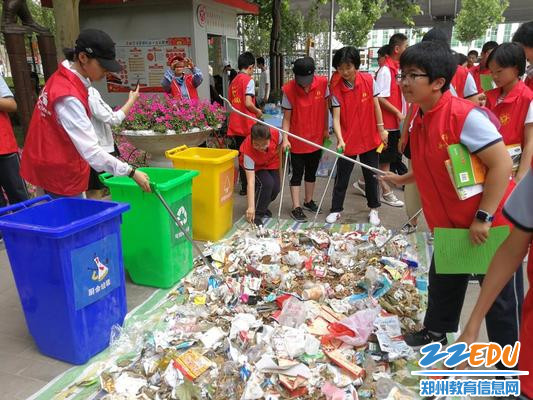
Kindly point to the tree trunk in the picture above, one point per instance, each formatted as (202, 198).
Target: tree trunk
(67, 16)
(274, 46)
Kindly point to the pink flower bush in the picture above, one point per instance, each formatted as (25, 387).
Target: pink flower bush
(162, 113)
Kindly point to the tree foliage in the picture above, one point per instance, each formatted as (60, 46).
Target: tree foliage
(356, 18)
(476, 16)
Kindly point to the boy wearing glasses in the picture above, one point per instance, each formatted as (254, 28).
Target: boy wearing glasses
(442, 120)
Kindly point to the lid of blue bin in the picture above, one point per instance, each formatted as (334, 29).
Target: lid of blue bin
(61, 217)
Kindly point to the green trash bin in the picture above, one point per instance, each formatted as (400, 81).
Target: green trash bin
(156, 253)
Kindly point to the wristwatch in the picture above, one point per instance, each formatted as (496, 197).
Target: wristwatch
(132, 172)
(484, 216)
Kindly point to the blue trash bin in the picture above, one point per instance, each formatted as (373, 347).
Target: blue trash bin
(66, 258)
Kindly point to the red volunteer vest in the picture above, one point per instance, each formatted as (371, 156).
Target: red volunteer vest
(389, 119)
(8, 144)
(268, 159)
(176, 91)
(459, 81)
(49, 159)
(239, 125)
(525, 361)
(308, 117)
(358, 119)
(429, 140)
(529, 82)
(511, 112)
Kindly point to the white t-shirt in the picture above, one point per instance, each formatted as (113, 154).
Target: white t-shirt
(264, 79)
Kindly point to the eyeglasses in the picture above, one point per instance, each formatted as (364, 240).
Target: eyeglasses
(410, 77)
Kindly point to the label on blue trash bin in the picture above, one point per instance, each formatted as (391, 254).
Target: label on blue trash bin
(95, 270)
(182, 210)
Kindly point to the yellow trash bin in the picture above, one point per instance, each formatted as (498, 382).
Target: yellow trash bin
(212, 190)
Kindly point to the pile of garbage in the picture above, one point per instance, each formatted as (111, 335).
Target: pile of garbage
(298, 314)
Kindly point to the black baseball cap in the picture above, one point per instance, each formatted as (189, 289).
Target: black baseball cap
(98, 44)
(304, 70)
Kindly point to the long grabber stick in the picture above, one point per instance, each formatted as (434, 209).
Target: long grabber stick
(283, 186)
(395, 232)
(376, 170)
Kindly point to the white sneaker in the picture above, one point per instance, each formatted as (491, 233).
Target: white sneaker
(359, 187)
(333, 217)
(391, 199)
(373, 218)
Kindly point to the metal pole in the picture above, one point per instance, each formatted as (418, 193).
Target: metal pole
(301, 139)
(331, 26)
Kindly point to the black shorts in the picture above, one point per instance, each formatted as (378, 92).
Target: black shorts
(307, 162)
(391, 154)
(94, 181)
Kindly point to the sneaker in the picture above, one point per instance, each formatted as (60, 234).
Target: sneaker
(408, 229)
(373, 218)
(333, 217)
(423, 337)
(258, 221)
(359, 188)
(298, 215)
(391, 199)
(311, 206)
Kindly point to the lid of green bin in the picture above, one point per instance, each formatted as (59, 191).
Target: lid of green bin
(164, 178)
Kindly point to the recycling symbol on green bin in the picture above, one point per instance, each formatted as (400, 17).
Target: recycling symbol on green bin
(183, 219)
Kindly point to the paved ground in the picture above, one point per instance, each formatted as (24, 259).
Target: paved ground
(23, 370)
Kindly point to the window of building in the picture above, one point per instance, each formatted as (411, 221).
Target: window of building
(507, 32)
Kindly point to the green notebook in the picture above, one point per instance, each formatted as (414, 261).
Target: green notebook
(455, 254)
(487, 83)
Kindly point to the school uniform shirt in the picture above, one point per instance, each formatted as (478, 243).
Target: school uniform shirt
(308, 113)
(254, 160)
(528, 80)
(514, 111)
(8, 144)
(358, 119)
(103, 118)
(60, 162)
(264, 79)
(388, 87)
(463, 84)
(519, 211)
(241, 86)
(452, 120)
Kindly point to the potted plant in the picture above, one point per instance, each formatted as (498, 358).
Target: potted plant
(157, 123)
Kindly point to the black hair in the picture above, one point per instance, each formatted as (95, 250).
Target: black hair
(336, 58)
(396, 40)
(436, 35)
(245, 60)
(509, 55)
(460, 58)
(473, 52)
(347, 55)
(489, 46)
(260, 61)
(524, 34)
(434, 58)
(383, 51)
(260, 131)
